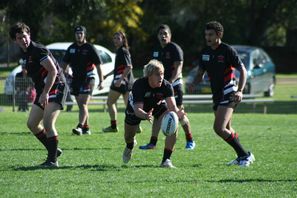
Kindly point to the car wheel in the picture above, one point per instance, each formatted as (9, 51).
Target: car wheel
(270, 91)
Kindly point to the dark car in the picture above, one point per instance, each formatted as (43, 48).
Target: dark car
(260, 73)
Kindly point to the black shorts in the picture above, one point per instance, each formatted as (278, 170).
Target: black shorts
(226, 100)
(81, 87)
(178, 94)
(57, 94)
(132, 119)
(124, 88)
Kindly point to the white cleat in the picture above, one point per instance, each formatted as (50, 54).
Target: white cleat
(167, 164)
(77, 131)
(247, 160)
(190, 145)
(244, 161)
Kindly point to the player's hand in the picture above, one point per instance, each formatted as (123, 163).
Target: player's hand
(237, 97)
(43, 99)
(100, 86)
(149, 115)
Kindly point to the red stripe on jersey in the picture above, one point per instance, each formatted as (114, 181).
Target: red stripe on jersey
(53, 92)
(121, 69)
(229, 77)
(229, 69)
(90, 67)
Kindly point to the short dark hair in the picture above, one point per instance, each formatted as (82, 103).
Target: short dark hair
(19, 27)
(216, 26)
(164, 27)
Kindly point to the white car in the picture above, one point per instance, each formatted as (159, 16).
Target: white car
(58, 50)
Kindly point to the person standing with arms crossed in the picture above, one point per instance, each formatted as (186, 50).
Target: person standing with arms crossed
(220, 60)
(171, 56)
(82, 57)
(122, 81)
(50, 86)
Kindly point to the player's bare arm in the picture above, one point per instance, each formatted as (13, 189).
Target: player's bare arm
(241, 83)
(49, 65)
(127, 70)
(139, 112)
(199, 76)
(171, 104)
(178, 66)
(101, 77)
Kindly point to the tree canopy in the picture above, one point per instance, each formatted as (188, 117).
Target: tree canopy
(263, 23)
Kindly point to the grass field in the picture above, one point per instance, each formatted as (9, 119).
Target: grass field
(91, 166)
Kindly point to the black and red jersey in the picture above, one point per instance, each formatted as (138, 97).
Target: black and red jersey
(220, 65)
(32, 58)
(82, 60)
(168, 55)
(150, 97)
(122, 60)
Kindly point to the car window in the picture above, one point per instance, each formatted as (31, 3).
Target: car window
(105, 58)
(256, 58)
(58, 54)
(244, 58)
(264, 57)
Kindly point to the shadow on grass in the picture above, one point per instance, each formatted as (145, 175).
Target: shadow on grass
(97, 167)
(37, 149)
(251, 180)
(19, 133)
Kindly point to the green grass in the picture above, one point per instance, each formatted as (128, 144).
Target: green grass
(91, 166)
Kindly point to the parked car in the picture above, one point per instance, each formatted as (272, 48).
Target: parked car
(260, 73)
(58, 50)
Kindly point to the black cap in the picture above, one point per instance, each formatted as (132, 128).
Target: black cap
(80, 29)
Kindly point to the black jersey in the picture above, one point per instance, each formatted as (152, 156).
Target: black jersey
(150, 97)
(122, 60)
(82, 60)
(35, 54)
(168, 55)
(220, 65)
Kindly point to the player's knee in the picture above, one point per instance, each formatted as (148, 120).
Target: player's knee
(184, 121)
(31, 125)
(218, 129)
(129, 137)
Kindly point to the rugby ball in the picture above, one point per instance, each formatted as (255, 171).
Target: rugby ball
(169, 123)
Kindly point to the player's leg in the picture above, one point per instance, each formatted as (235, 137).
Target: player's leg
(51, 112)
(185, 122)
(158, 111)
(82, 102)
(34, 120)
(35, 126)
(131, 125)
(83, 94)
(113, 96)
(169, 146)
(125, 97)
(222, 127)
